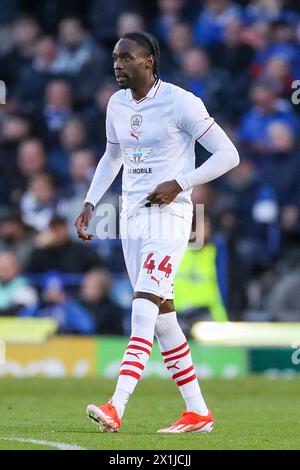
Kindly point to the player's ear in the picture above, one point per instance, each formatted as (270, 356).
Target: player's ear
(150, 61)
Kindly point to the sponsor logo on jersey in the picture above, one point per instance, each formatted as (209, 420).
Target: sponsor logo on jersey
(135, 135)
(138, 171)
(156, 280)
(136, 154)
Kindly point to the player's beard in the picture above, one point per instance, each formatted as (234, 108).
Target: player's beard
(123, 82)
(122, 86)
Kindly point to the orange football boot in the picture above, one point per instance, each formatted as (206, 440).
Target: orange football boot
(191, 422)
(106, 416)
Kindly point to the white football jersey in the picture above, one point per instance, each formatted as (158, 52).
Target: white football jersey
(157, 138)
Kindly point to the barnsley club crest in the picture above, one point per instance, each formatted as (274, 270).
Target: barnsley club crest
(136, 121)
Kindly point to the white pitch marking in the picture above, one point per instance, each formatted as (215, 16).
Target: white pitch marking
(58, 445)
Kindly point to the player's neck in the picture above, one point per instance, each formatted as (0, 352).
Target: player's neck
(141, 90)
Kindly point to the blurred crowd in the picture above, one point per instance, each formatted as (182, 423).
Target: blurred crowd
(243, 59)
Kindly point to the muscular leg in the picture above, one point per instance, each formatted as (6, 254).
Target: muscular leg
(145, 308)
(146, 295)
(167, 307)
(177, 357)
(164, 307)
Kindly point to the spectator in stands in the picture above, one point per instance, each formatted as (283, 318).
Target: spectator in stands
(283, 302)
(77, 47)
(69, 315)
(128, 22)
(290, 226)
(254, 205)
(82, 168)
(15, 291)
(260, 9)
(266, 108)
(213, 19)
(46, 53)
(25, 32)
(239, 191)
(73, 136)
(15, 128)
(32, 81)
(246, 212)
(31, 162)
(178, 41)
(57, 108)
(237, 274)
(204, 194)
(104, 26)
(209, 84)
(95, 115)
(16, 236)
(170, 13)
(280, 166)
(282, 42)
(234, 55)
(40, 201)
(81, 58)
(278, 70)
(94, 295)
(56, 251)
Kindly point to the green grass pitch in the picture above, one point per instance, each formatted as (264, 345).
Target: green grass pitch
(250, 413)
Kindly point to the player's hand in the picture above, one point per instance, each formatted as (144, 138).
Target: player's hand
(83, 220)
(164, 193)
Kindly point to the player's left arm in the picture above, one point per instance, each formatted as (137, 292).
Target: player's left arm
(195, 120)
(224, 157)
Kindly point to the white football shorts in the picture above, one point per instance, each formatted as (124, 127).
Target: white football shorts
(154, 241)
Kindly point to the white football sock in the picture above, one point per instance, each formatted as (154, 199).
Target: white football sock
(177, 357)
(144, 314)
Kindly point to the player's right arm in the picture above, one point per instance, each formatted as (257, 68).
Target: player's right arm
(106, 171)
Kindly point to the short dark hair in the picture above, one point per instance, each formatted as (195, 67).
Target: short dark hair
(150, 43)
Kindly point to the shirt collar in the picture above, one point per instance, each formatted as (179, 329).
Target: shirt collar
(151, 93)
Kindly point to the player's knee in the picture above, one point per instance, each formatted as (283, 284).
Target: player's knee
(167, 306)
(147, 295)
